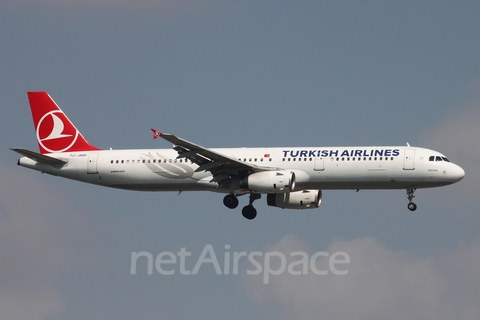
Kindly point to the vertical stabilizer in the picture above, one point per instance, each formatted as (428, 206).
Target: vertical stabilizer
(55, 132)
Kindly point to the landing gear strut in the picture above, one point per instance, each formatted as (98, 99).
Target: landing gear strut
(249, 212)
(411, 206)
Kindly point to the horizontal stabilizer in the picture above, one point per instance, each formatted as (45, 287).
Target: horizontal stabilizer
(38, 157)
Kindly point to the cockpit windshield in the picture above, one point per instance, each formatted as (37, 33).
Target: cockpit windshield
(438, 158)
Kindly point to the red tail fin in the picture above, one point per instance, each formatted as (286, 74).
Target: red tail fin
(55, 132)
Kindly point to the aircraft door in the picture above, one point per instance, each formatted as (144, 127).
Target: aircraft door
(409, 161)
(92, 163)
(319, 164)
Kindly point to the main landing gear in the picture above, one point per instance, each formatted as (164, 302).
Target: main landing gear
(230, 201)
(249, 212)
(411, 206)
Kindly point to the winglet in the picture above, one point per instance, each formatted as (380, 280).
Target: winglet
(156, 133)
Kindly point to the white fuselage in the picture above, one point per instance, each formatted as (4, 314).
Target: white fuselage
(315, 168)
(292, 178)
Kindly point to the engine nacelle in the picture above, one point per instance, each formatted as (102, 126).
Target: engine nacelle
(305, 199)
(270, 182)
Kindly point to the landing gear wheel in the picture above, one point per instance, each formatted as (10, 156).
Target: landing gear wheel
(249, 212)
(412, 206)
(230, 201)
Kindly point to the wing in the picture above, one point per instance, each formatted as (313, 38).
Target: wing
(221, 166)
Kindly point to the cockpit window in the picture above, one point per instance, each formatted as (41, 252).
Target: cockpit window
(438, 158)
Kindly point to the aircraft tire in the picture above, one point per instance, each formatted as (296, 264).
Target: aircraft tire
(230, 201)
(249, 212)
(412, 206)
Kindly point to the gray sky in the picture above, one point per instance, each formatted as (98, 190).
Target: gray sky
(231, 74)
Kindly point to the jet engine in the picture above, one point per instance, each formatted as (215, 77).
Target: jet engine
(305, 199)
(270, 182)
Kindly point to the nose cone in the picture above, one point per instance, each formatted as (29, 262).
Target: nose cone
(457, 173)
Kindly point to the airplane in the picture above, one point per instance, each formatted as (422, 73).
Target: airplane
(290, 177)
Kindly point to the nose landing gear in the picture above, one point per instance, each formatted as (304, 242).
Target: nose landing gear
(411, 206)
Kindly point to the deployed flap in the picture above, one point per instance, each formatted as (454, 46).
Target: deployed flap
(38, 157)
